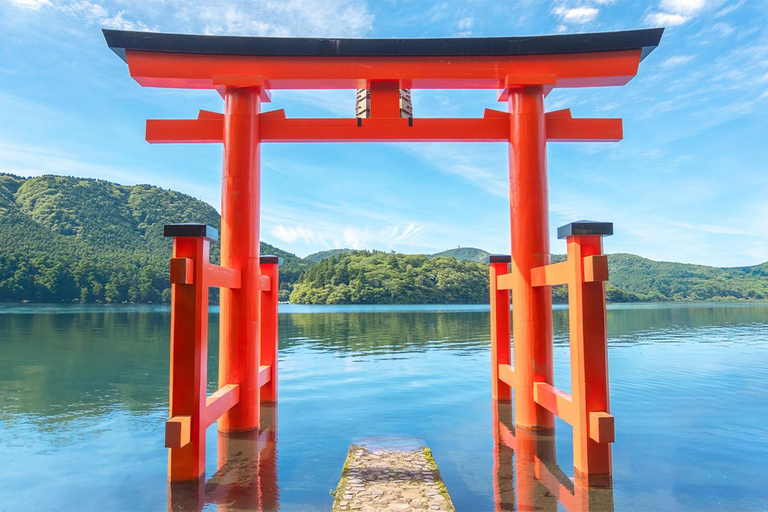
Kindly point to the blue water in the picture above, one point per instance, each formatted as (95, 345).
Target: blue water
(83, 400)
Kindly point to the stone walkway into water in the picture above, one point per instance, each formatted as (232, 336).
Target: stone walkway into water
(389, 479)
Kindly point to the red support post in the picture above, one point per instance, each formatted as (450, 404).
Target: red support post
(268, 322)
(500, 327)
(239, 327)
(593, 424)
(185, 430)
(532, 306)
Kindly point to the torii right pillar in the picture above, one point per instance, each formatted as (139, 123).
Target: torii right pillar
(530, 373)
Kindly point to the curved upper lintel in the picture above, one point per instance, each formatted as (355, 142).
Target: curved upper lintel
(190, 61)
(121, 40)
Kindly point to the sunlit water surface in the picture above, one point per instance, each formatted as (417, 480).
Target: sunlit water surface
(84, 397)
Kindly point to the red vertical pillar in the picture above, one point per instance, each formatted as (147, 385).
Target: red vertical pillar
(593, 425)
(268, 325)
(239, 324)
(185, 430)
(500, 327)
(531, 307)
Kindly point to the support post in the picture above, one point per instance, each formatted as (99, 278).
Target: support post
(500, 327)
(589, 356)
(185, 431)
(239, 324)
(532, 307)
(268, 325)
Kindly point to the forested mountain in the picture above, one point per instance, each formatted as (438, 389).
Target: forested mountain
(364, 277)
(464, 254)
(66, 239)
(317, 257)
(73, 239)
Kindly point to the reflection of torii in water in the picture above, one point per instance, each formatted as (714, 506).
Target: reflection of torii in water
(243, 70)
(526, 474)
(246, 478)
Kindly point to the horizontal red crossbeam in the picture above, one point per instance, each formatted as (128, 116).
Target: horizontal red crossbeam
(275, 127)
(196, 71)
(265, 374)
(555, 401)
(220, 402)
(595, 270)
(507, 374)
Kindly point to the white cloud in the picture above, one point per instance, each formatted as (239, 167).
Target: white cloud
(677, 60)
(475, 163)
(682, 6)
(466, 23)
(672, 13)
(665, 19)
(30, 4)
(356, 238)
(293, 233)
(576, 15)
(319, 18)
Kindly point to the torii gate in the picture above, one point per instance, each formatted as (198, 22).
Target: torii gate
(524, 70)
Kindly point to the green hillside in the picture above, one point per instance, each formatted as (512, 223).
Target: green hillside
(364, 277)
(317, 257)
(65, 239)
(464, 254)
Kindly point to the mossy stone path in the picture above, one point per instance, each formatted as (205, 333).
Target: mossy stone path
(380, 479)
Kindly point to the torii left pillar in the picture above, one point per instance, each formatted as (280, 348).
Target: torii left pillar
(240, 188)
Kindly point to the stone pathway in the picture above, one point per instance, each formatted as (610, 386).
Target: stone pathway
(383, 480)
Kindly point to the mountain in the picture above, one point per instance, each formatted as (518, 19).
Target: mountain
(375, 277)
(464, 254)
(317, 257)
(65, 239)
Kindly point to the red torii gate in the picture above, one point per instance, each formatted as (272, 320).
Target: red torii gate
(524, 70)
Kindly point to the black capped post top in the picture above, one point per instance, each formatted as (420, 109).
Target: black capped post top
(266, 259)
(121, 40)
(189, 229)
(498, 258)
(585, 227)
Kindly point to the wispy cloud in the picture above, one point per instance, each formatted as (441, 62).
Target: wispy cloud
(340, 18)
(576, 15)
(676, 60)
(672, 13)
(30, 4)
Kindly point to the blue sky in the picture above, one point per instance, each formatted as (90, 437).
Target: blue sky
(689, 182)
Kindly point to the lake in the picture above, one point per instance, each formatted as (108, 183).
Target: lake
(84, 398)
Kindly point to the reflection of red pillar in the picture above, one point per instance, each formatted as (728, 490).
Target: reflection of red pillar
(268, 326)
(503, 463)
(239, 334)
(500, 342)
(532, 307)
(247, 468)
(269, 490)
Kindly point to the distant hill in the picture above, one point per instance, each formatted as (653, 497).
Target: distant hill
(317, 257)
(375, 277)
(65, 239)
(464, 254)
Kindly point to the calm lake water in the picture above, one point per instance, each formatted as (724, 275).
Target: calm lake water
(84, 392)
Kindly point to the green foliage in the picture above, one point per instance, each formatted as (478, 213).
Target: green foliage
(317, 257)
(65, 239)
(464, 254)
(363, 277)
